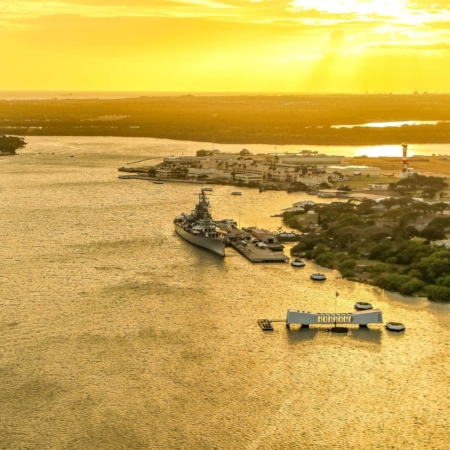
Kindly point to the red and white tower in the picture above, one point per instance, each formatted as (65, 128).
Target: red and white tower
(404, 173)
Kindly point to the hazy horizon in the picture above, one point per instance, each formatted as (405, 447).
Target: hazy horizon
(36, 94)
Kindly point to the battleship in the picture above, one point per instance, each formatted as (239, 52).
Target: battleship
(199, 228)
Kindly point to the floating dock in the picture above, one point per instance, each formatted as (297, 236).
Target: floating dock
(265, 324)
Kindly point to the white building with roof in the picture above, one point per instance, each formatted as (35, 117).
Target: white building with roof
(312, 179)
(247, 178)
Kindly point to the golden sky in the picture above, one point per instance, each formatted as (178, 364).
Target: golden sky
(226, 45)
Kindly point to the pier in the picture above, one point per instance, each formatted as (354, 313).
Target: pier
(250, 250)
(258, 255)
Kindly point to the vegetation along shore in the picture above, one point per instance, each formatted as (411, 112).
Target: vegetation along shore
(9, 144)
(397, 243)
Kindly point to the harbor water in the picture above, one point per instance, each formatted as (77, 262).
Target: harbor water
(115, 333)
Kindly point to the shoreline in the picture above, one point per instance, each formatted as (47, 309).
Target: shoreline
(315, 140)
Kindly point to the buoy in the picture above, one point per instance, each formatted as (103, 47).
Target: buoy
(395, 326)
(363, 305)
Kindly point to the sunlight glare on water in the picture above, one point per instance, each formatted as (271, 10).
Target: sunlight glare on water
(116, 333)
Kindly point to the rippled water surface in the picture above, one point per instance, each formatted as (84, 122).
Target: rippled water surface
(115, 333)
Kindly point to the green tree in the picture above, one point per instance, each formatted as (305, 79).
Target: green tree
(349, 219)
(203, 153)
(435, 266)
(347, 265)
(444, 281)
(433, 233)
(9, 144)
(325, 259)
(441, 293)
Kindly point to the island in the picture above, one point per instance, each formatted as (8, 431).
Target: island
(9, 144)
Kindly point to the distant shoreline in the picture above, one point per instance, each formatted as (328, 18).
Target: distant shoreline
(236, 119)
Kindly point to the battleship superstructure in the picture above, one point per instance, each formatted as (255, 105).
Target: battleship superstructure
(199, 228)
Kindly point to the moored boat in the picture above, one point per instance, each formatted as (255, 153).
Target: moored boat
(318, 276)
(297, 263)
(236, 193)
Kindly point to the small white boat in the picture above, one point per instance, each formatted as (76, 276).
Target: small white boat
(395, 326)
(363, 305)
(318, 276)
(158, 182)
(297, 263)
(209, 189)
(236, 193)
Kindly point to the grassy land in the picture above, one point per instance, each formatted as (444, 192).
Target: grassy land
(357, 182)
(439, 165)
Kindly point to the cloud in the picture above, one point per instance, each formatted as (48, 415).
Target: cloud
(429, 4)
(319, 12)
(166, 8)
(419, 47)
(233, 45)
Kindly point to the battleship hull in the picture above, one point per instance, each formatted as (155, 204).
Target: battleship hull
(215, 245)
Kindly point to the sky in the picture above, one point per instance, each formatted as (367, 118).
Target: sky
(267, 46)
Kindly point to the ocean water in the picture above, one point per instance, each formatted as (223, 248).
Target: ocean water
(390, 124)
(149, 147)
(117, 334)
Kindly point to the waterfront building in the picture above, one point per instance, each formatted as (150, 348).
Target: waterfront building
(250, 178)
(245, 166)
(282, 173)
(181, 160)
(259, 233)
(211, 174)
(248, 169)
(312, 179)
(266, 238)
(165, 172)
